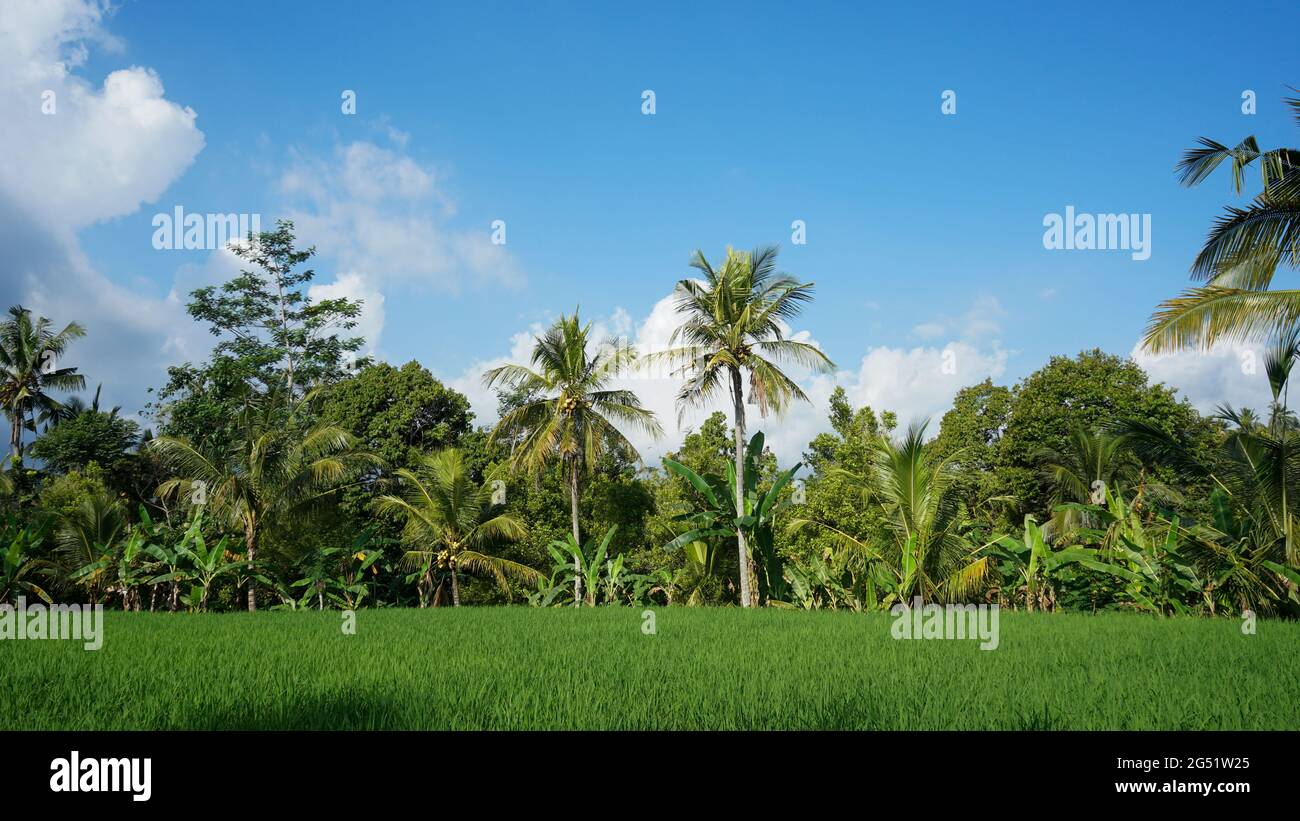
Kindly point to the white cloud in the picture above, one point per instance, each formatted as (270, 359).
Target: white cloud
(913, 383)
(104, 150)
(1231, 373)
(371, 322)
(980, 321)
(102, 153)
(381, 215)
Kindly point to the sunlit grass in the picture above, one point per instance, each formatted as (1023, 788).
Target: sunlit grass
(517, 668)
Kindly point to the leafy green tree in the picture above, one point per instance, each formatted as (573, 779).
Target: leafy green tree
(397, 413)
(833, 492)
(451, 522)
(20, 566)
(1253, 468)
(201, 402)
(734, 323)
(87, 435)
(1241, 255)
(29, 354)
(274, 470)
(1093, 391)
(568, 413)
(1091, 463)
(87, 537)
(266, 319)
(974, 428)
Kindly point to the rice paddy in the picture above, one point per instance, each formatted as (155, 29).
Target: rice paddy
(702, 669)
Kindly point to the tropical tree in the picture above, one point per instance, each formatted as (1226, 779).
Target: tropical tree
(587, 562)
(272, 471)
(339, 573)
(206, 564)
(29, 354)
(697, 581)
(569, 412)
(87, 536)
(719, 516)
(451, 522)
(931, 555)
(270, 324)
(19, 567)
(1091, 462)
(1146, 554)
(1038, 565)
(734, 324)
(1257, 463)
(1240, 255)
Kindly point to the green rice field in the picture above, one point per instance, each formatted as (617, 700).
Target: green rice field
(703, 669)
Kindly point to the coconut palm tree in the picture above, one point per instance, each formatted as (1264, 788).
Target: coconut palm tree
(29, 354)
(929, 555)
(923, 511)
(273, 470)
(1241, 254)
(87, 537)
(1091, 462)
(450, 523)
(734, 324)
(570, 414)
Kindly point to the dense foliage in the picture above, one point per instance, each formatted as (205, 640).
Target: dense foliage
(285, 472)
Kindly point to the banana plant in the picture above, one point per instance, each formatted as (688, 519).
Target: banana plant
(1039, 566)
(641, 588)
(1146, 555)
(18, 570)
(814, 586)
(755, 514)
(130, 574)
(614, 579)
(206, 565)
(584, 563)
(696, 581)
(171, 562)
(339, 574)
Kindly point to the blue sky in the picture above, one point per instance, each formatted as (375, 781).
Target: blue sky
(924, 230)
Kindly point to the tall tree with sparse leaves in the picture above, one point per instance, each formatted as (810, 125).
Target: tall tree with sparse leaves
(267, 320)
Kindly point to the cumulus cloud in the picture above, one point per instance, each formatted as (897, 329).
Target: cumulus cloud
(376, 214)
(382, 216)
(915, 383)
(981, 321)
(73, 153)
(1231, 373)
(76, 153)
(355, 287)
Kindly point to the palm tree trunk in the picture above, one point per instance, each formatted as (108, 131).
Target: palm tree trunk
(455, 588)
(16, 438)
(577, 537)
(738, 400)
(250, 541)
